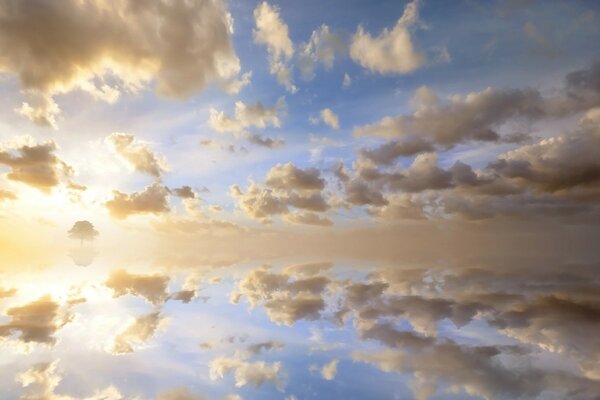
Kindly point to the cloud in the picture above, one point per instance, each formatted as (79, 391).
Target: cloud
(136, 333)
(189, 290)
(285, 300)
(152, 200)
(448, 363)
(288, 311)
(491, 296)
(475, 117)
(307, 218)
(37, 321)
(322, 48)
(7, 195)
(388, 153)
(311, 269)
(286, 187)
(42, 379)
(245, 372)
(41, 109)
(393, 51)
(35, 164)
(543, 321)
(272, 32)
(183, 47)
(258, 348)
(137, 154)
(182, 393)
(557, 163)
(329, 370)
(288, 176)
(554, 177)
(479, 116)
(153, 288)
(347, 81)
(546, 310)
(539, 42)
(249, 116)
(184, 192)
(330, 119)
(6, 293)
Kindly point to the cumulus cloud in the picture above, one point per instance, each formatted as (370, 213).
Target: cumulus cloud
(322, 48)
(272, 32)
(154, 199)
(189, 290)
(474, 117)
(258, 348)
(329, 118)
(288, 176)
(41, 109)
(184, 192)
(287, 187)
(555, 177)
(136, 333)
(557, 163)
(182, 46)
(479, 116)
(329, 370)
(35, 164)
(137, 154)
(153, 288)
(249, 116)
(393, 51)
(388, 153)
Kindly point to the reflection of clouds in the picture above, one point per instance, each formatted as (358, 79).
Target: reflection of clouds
(36, 321)
(137, 332)
(247, 372)
(42, 379)
(478, 370)
(286, 300)
(189, 290)
(153, 288)
(485, 331)
(548, 309)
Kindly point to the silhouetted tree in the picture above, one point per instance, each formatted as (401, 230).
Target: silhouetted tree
(83, 230)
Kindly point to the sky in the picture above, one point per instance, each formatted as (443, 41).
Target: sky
(299, 200)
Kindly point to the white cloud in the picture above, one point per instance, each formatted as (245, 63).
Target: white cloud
(322, 48)
(329, 118)
(272, 32)
(392, 52)
(182, 46)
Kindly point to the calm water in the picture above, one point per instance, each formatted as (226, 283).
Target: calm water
(93, 326)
